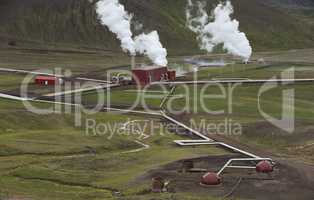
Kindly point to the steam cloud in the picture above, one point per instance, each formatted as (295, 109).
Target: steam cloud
(149, 45)
(113, 15)
(222, 30)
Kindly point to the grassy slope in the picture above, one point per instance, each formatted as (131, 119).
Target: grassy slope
(28, 139)
(35, 150)
(269, 27)
(74, 23)
(46, 157)
(77, 61)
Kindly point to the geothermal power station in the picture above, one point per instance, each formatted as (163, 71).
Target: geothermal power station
(144, 121)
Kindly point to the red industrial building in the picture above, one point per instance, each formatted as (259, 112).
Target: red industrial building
(47, 80)
(146, 75)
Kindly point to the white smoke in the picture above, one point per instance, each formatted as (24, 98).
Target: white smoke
(197, 23)
(200, 20)
(113, 15)
(223, 30)
(149, 44)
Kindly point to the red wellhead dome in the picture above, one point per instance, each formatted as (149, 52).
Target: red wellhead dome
(264, 167)
(210, 179)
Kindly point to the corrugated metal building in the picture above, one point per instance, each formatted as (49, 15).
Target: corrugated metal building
(47, 80)
(145, 75)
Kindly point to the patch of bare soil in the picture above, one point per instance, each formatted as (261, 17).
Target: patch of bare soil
(289, 181)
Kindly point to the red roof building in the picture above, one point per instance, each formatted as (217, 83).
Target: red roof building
(145, 75)
(47, 80)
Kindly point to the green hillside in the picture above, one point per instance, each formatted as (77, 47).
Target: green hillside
(74, 23)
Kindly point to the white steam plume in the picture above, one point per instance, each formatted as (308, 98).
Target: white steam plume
(223, 30)
(149, 44)
(113, 15)
(197, 24)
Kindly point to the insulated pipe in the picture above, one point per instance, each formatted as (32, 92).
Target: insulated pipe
(164, 101)
(29, 72)
(6, 96)
(199, 142)
(194, 142)
(98, 87)
(206, 141)
(133, 111)
(234, 81)
(241, 167)
(49, 74)
(241, 159)
(239, 151)
(91, 80)
(105, 108)
(186, 127)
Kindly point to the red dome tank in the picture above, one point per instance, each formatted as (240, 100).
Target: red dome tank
(210, 179)
(264, 167)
